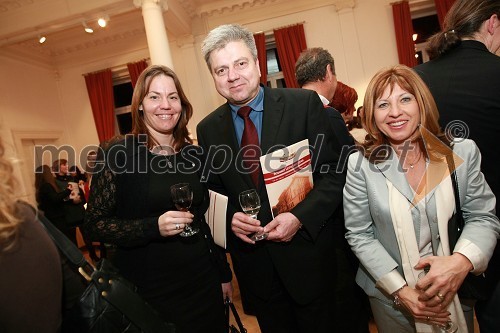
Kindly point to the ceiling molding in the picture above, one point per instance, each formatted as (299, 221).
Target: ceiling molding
(5, 6)
(344, 4)
(218, 8)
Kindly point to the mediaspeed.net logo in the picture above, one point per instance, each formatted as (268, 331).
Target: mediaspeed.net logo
(437, 169)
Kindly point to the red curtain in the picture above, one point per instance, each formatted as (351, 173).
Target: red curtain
(404, 32)
(100, 89)
(260, 41)
(442, 7)
(290, 42)
(135, 69)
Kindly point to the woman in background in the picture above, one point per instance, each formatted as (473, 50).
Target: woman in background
(30, 278)
(51, 199)
(74, 205)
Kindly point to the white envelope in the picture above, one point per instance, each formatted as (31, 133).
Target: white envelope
(216, 217)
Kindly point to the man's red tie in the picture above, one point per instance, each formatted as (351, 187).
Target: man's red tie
(250, 145)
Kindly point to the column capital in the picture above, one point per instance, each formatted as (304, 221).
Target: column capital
(161, 3)
(344, 4)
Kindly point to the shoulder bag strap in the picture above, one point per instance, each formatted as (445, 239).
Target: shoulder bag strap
(453, 175)
(236, 316)
(127, 301)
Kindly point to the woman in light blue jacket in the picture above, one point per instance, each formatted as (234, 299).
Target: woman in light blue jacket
(398, 199)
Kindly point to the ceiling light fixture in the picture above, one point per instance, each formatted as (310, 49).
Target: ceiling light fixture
(103, 21)
(88, 29)
(414, 37)
(41, 39)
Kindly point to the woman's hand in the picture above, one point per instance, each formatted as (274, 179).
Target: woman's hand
(227, 291)
(173, 222)
(446, 275)
(409, 299)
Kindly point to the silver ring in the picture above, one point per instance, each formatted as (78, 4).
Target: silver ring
(428, 318)
(177, 226)
(440, 296)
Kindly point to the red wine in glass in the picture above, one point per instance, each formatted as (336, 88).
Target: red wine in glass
(182, 196)
(183, 205)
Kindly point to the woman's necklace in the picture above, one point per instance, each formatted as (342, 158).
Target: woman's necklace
(415, 161)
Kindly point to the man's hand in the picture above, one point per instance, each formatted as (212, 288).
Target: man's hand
(283, 227)
(243, 225)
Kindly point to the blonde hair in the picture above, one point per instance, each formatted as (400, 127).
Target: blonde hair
(409, 81)
(9, 220)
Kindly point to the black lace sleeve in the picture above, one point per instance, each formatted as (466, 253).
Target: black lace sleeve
(101, 222)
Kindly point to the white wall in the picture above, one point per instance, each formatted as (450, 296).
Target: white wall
(360, 38)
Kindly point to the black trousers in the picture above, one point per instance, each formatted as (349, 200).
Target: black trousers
(281, 314)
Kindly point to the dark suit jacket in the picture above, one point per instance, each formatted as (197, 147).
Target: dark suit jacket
(305, 265)
(465, 83)
(345, 140)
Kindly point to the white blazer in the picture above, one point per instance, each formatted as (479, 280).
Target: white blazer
(370, 231)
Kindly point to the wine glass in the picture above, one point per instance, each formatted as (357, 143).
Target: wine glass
(450, 327)
(182, 196)
(250, 203)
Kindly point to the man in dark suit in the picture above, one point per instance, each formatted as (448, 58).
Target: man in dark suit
(464, 78)
(315, 70)
(288, 277)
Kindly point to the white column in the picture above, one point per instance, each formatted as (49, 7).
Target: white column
(156, 34)
(350, 40)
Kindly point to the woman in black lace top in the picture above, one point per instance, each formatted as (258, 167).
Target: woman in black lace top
(130, 206)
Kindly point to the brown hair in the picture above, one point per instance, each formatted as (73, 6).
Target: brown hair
(56, 165)
(463, 20)
(43, 175)
(181, 133)
(409, 81)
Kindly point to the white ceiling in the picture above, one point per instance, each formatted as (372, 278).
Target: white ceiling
(21, 21)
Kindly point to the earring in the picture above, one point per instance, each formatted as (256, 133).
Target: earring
(140, 108)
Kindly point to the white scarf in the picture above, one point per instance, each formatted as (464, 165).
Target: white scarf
(407, 241)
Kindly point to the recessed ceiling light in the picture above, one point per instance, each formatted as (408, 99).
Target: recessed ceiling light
(88, 29)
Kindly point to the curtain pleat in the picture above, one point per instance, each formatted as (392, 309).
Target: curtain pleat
(260, 41)
(442, 7)
(404, 33)
(290, 42)
(100, 90)
(135, 69)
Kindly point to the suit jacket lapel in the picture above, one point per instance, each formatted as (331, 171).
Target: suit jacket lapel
(392, 170)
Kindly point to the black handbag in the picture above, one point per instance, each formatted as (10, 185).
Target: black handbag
(474, 286)
(231, 328)
(109, 302)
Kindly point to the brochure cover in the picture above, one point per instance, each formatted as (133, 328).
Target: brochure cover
(287, 175)
(216, 217)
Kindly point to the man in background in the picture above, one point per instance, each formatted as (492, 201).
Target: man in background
(315, 70)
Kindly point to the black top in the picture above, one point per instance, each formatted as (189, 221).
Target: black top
(465, 82)
(30, 280)
(127, 196)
